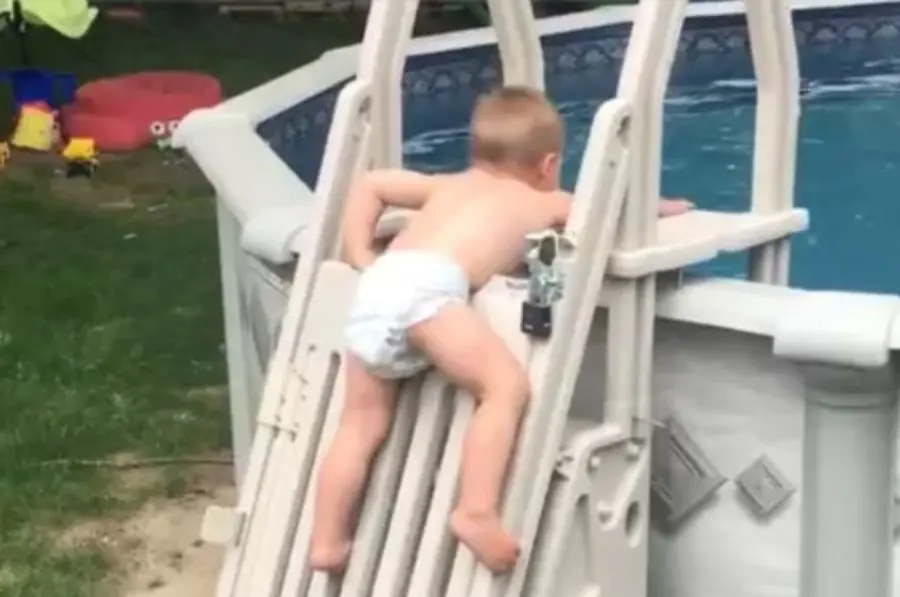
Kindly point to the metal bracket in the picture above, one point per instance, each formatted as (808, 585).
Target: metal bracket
(682, 479)
(582, 453)
(764, 488)
(545, 278)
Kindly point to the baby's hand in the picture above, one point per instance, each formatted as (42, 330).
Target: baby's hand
(673, 207)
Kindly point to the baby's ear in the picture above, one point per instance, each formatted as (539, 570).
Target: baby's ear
(550, 165)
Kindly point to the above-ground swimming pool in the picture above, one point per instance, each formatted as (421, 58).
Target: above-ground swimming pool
(714, 368)
(848, 161)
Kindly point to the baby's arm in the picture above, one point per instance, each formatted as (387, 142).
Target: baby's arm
(369, 195)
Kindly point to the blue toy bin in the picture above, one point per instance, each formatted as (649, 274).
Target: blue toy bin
(30, 85)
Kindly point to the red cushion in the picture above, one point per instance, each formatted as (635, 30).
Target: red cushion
(109, 132)
(117, 112)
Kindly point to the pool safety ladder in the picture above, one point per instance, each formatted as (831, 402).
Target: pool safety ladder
(577, 493)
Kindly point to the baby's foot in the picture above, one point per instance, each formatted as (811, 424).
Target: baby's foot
(674, 207)
(330, 558)
(486, 537)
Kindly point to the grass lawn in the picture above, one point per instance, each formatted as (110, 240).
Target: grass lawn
(110, 324)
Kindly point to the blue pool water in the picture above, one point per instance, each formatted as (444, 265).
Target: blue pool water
(848, 170)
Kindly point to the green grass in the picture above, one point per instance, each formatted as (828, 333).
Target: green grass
(108, 320)
(110, 317)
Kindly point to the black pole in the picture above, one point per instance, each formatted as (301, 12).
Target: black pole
(18, 27)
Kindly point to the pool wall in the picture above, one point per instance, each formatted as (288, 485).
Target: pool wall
(715, 370)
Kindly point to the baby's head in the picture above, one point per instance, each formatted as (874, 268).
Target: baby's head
(517, 131)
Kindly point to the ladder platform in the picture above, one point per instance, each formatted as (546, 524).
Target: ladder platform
(694, 237)
(700, 235)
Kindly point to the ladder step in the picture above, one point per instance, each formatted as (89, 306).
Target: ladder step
(221, 525)
(699, 236)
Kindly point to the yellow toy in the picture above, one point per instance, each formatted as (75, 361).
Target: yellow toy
(80, 149)
(35, 128)
(81, 157)
(4, 155)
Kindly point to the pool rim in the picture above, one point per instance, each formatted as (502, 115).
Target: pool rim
(338, 65)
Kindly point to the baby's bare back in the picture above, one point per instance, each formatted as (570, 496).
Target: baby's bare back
(479, 222)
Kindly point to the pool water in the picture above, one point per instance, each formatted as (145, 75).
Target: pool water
(848, 170)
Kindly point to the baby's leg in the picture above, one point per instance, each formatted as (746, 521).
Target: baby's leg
(364, 425)
(465, 349)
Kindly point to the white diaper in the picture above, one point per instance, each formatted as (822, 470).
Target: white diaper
(399, 290)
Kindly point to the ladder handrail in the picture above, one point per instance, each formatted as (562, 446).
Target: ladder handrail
(349, 138)
(274, 412)
(643, 79)
(600, 195)
(390, 22)
(521, 55)
(347, 109)
(356, 136)
(774, 51)
(645, 72)
(777, 107)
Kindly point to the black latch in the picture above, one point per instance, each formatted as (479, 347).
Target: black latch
(544, 287)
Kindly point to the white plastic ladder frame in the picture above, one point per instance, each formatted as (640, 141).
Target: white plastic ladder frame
(350, 104)
(642, 83)
(518, 41)
(423, 579)
(554, 368)
(520, 55)
(279, 429)
(351, 141)
(656, 29)
(774, 49)
(349, 145)
(645, 73)
(366, 131)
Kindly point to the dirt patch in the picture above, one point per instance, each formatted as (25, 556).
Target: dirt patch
(146, 180)
(211, 396)
(157, 551)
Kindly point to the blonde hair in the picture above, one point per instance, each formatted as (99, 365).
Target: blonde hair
(514, 126)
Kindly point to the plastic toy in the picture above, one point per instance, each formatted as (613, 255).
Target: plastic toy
(127, 112)
(81, 157)
(30, 85)
(162, 133)
(35, 127)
